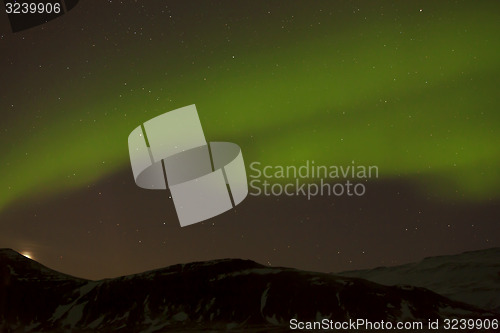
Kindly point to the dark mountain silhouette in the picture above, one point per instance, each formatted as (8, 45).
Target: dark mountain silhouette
(220, 295)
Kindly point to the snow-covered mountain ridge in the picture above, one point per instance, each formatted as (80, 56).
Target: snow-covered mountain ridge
(220, 295)
(471, 277)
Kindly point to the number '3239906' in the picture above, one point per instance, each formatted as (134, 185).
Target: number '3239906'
(32, 8)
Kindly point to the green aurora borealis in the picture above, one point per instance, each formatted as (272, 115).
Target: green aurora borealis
(412, 91)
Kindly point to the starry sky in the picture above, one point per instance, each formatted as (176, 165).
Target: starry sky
(411, 87)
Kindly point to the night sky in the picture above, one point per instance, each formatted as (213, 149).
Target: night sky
(411, 87)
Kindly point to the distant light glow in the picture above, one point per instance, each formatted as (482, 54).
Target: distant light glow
(27, 254)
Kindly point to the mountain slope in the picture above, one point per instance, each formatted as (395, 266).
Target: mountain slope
(471, 277)
(215, 295)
